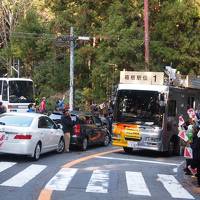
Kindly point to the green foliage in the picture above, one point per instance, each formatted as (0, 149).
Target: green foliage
(179, 38)
(118, 27)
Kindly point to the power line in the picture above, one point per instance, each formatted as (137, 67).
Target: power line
(48, 36)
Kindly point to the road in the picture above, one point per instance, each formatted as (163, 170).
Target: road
(99, 173)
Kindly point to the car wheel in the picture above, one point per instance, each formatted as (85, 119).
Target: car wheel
(106, 140)
(84, 144)
(37, 152)
(61, 146)
(128, 149)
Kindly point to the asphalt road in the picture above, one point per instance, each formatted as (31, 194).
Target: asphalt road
(95, 174)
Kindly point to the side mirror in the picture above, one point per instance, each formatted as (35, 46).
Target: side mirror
(162, 100)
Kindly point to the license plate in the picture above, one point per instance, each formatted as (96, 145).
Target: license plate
(132, 144)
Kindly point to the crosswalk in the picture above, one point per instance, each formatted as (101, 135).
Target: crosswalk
(99, 181)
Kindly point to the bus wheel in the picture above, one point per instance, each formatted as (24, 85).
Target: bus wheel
(128, 149)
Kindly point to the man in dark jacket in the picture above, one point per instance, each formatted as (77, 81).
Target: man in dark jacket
(67, 127)
(196, 151)
(195, 145)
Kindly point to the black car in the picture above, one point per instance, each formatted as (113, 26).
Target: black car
(87, 130)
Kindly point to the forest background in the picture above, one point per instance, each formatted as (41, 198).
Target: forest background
(29, 28)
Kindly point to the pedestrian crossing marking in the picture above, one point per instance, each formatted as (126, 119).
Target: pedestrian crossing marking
(174, 187)
(98, 182)
(6, 165)
(136, 184)
(24, 176)
(61, 180)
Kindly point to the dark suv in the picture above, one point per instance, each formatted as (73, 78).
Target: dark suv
(87, 130)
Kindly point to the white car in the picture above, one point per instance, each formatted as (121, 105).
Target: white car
(29, 134)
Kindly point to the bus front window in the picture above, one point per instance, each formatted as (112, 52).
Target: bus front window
(20, 91)
(138, 106)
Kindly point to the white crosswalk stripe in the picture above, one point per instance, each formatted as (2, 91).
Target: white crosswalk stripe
(6, 165)
(99, 182)
(174, 187)
(24, 176)
(136, 184)
(62, 179)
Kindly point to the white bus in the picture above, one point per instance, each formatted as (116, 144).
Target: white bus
(146, 110)
(16, 93)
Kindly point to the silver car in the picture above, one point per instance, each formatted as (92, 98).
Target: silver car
(29, 134)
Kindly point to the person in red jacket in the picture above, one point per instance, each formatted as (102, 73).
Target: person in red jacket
(42, 108)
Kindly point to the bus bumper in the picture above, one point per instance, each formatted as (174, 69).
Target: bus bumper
(138, 145)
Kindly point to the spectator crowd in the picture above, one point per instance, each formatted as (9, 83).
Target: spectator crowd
(189, 132)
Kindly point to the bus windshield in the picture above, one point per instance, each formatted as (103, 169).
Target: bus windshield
(141, 107)
(20, 91)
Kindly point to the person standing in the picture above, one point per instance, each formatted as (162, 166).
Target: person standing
(67, 127)
(2, 108)
(42, 108)
(31, 108)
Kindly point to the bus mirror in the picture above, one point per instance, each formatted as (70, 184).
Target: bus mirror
(162, 97)
(162, 109)
(162, 100)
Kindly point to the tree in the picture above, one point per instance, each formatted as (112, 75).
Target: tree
(11, 12)
(177, 41)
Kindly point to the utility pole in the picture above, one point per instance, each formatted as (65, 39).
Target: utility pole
(72, 46)
(146, 34)
(15, 67)
(71, 91)
(69, 40)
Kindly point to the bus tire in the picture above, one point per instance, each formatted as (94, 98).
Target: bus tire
(128, 149)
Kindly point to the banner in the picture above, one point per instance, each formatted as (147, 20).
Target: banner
(191, 113)
(183, 136)
(181, 120)
(188, 152)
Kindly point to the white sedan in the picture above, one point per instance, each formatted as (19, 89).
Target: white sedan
(29, 134)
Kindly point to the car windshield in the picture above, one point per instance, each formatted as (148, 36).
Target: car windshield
(20, 121)
(136, 106)
(20, 91)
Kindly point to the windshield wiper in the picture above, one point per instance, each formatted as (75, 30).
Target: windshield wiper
(2, 123)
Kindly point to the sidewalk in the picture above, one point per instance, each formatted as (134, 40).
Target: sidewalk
(190, 182)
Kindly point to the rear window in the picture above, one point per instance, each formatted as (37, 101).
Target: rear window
(10, 120)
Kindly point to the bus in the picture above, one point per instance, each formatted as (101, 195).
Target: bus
(146, 111)
(16, 93)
